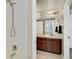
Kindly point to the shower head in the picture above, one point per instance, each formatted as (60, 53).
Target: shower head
(12, 31)
(12, 2)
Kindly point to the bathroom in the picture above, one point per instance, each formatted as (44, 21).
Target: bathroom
(35, 29)
(50, 22)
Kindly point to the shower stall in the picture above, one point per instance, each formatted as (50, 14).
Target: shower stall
(17, 29)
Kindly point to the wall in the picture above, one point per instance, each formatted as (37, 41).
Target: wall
(39, 27)
(21, 27)
(67, 29)
(32, 29)
(49, 4)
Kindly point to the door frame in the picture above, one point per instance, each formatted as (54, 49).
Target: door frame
(34, 41)
(66, 34)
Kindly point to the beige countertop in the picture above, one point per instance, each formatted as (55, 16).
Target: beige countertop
(49, 36)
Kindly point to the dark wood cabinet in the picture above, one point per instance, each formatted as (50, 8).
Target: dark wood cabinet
(49, 44)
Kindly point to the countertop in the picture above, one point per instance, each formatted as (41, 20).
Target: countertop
(49, 36)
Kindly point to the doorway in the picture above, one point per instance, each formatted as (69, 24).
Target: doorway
(50, 39)
(49, 29)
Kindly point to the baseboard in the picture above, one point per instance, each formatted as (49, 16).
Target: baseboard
(62, 56)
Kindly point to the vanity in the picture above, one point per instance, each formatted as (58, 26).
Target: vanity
(49, 44)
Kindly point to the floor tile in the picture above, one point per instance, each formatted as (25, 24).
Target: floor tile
(47, 55)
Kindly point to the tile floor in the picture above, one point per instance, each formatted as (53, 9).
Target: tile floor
(47, 55)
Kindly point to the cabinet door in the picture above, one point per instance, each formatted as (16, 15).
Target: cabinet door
(52, 46)
(41, 43)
